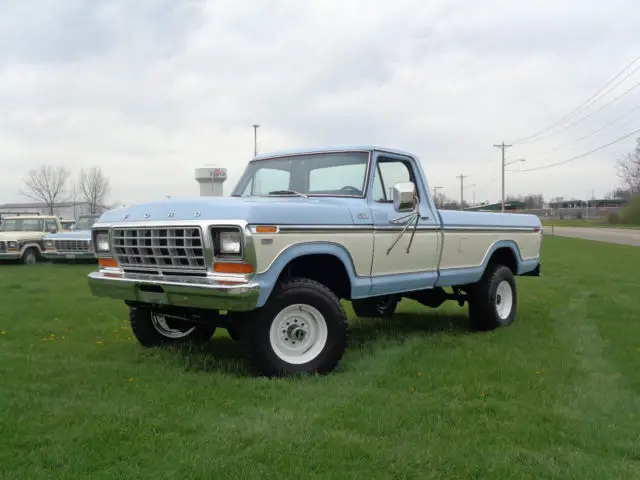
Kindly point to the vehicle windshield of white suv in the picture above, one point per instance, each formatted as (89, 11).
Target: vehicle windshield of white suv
(340, 174)
(85, 223)
(22, 225)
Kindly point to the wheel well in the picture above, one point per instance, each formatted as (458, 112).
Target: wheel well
(504, 256)
(321, 267)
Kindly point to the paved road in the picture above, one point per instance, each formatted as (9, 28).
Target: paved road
(609, 235)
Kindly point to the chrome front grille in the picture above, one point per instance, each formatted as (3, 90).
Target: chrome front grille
(3, 247)
(72, 246)
(177, 248)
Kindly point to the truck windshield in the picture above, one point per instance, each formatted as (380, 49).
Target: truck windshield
(85, 223)
(22, 225)
(340, 174)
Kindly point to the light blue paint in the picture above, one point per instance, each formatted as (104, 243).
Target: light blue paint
(403, 282)
(72, 235)
(360, 286)
(337, 211)
(462, 219)
(255, 210)
(337, 148)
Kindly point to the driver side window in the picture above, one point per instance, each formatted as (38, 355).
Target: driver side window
(51, 226)
(387, 174)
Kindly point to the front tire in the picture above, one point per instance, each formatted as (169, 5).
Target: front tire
(301, 329)
(30, 256)
(153, 329)
(493, 300)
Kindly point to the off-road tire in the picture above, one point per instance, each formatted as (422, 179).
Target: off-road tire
(30, 256)
(148, 335)
(486, 300)
(376, 307)
(256, 334)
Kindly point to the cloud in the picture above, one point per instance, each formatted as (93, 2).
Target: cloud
(151, 90)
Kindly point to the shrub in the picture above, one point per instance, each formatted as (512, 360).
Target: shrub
(613, 218)
(630, 214)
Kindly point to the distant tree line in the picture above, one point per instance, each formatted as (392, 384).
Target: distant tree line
(52, 185)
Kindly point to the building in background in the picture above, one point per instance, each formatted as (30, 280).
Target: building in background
(211, 180)
(63, 210)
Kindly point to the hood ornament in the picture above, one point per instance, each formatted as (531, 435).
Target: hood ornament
(125, 217)
(198, 214)
(147, 215)
(171, 214)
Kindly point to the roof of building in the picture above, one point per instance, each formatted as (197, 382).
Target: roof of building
(41, 205)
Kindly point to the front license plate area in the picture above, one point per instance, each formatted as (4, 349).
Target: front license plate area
(152, 294)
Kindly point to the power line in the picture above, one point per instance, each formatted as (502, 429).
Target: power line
(592, 97)
(637, 107)
(581, 119)
(579, 156)
(487, 185)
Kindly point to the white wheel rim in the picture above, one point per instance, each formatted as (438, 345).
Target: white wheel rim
(31, 258)
(159, 322)
(298, 334)
(504, 299)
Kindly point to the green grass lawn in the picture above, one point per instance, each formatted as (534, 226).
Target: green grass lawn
(555, 395)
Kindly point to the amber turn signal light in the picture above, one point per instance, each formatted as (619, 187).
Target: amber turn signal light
(108, 262)
(266, 229)
(230, 267)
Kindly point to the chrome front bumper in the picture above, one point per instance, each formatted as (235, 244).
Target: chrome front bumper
(51, 255)
(198, 292)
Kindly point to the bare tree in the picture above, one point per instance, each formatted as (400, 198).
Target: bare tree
(629, 170)
(94, 186)
(46, 184)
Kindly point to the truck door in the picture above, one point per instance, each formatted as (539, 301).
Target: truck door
(394, 269)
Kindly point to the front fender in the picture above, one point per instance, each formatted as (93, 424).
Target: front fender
(29, 244)
(267, 280)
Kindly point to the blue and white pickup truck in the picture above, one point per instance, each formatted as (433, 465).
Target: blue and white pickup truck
(302, 231)
(71, 245)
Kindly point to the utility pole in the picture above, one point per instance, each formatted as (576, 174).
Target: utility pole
(255, 139)
(503, 147)
(462, 177)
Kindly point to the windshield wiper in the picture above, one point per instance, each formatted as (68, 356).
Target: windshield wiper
(287, 192)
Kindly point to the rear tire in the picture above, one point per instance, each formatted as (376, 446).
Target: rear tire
(152, 329)
(493, 300)
(301, 329)
(376, 307)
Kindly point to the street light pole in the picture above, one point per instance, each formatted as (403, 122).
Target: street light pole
(255, 139)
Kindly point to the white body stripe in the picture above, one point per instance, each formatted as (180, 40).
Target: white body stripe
(358, 243)
(423, 255)
(469, 249)
(430, 249)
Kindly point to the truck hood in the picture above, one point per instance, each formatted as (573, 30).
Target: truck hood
(73, 235)
(462, 219)
(290, 210)
(15, 236)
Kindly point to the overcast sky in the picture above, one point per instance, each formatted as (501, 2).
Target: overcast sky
(151, 89)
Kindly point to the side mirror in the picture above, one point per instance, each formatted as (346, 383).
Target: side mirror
(53, 230)
(404, 196)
